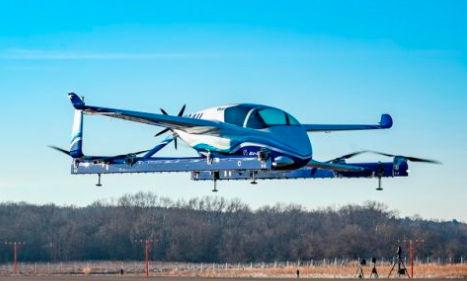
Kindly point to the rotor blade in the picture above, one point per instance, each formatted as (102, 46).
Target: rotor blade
(110, 158)
(60, 150)
(347, 156)
(161, 132)
(164, 112)
(137, 152)
(382, 153)
(409, 158)
(422, 160)
(334, 167)
(182, 110)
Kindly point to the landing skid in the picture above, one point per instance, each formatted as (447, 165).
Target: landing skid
(373, 170)
(238, 168)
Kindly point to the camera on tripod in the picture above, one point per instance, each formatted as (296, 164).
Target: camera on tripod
(401, 269)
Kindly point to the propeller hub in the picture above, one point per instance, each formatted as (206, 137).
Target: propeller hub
(175, 136)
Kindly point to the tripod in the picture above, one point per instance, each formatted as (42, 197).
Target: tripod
(401, 269)
(359, 272)
(374, 272)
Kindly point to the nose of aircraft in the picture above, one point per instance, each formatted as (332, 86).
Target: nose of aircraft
(295, 138)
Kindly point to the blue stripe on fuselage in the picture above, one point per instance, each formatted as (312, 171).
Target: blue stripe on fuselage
(252, 150)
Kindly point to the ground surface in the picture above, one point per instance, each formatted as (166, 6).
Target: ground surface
(130, 278)
(218, 272)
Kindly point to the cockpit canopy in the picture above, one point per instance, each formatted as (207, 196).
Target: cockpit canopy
(257, 117)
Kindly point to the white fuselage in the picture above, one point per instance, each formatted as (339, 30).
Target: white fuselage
(288, 145)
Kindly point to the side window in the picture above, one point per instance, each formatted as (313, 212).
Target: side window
(273, 117)
(236, 115)
(255, 121)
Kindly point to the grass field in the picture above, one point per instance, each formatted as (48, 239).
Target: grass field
(228, 270)
(330, 271)
(131, 278)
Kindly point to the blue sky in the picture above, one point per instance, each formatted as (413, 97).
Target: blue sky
(322, 61)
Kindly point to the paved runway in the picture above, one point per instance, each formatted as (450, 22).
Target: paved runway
(131, 278)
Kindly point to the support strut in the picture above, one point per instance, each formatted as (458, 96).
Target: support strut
(254, 178)
(380, 173)
(215, 177)
(99, 184)
(380, 188)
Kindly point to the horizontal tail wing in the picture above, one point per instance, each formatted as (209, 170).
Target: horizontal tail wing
(384, 123)
(77, 102)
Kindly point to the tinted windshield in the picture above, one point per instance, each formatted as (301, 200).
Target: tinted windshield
(267, 117)
(236, 115)
(273, 116)
(291, 120)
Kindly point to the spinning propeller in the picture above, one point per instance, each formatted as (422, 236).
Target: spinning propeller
(60, 150)
(129, 157)
(180, 114)
(344, 157)
(380, 169)
(408, 158)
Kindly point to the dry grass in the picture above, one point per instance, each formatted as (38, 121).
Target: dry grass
(229, 270)
(327, 271)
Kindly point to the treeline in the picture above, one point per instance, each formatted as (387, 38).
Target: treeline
(213, 229)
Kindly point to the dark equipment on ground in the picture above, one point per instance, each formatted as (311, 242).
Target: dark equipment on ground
(359, 272)
(401, 269)
(374, 272)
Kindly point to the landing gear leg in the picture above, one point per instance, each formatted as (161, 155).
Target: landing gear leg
(380, 188)
(99, 184)
(215, 177)
(380, 173)
(254, 178)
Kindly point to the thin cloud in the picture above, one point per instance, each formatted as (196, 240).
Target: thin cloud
(31, 54)
(24, 54)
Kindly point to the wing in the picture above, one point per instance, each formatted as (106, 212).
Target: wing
(384, 123)
(189, 125)
(334, 167)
